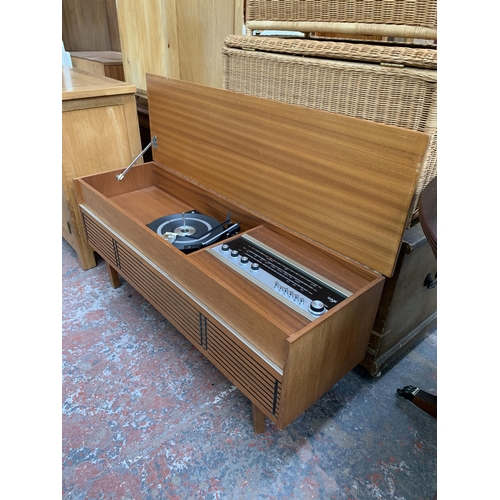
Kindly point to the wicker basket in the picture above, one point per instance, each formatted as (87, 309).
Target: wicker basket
(393, 18)
(398, 86)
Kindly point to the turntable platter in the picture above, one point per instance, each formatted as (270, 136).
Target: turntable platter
(190, 230)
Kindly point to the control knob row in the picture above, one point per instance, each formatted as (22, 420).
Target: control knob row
(244, 261)
(316, 307)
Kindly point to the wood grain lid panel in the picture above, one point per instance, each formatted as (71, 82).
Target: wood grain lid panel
(343, 182)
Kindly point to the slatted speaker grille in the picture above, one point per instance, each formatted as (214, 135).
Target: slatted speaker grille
(218, 345)
(226, 354)
(100, 240)
(169, 302)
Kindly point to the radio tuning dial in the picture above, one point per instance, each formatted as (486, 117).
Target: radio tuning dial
(234, 253)
(317, 307)
(244, 261)
(225, 247)
(255, 267)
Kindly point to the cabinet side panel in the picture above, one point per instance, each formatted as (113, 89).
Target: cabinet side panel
(320, 357)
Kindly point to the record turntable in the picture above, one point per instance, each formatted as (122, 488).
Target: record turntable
(189, 231)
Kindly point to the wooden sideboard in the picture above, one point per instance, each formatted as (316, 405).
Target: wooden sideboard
(101, 62)
(100, 132)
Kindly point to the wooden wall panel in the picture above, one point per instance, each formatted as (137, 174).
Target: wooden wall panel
(90, 25)
(176, 38)
(148, 34)
(201, 29)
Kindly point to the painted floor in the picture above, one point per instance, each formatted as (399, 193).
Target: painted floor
(145, 416)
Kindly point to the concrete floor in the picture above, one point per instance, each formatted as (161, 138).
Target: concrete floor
(145, 416)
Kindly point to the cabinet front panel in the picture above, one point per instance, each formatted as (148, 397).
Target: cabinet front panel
(97, 138)
(258, 380)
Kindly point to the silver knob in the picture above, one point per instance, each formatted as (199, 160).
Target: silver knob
(317, 307)
(244, 261)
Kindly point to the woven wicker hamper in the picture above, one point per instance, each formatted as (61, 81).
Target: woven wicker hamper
(386, 84)
(387, 18)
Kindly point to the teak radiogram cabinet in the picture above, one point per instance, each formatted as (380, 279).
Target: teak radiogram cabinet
(327, 192)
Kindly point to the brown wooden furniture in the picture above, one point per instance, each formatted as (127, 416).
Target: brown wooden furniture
(408, 306)
(428, 214)
(106, 63)
(329, 192)
(99, 132)
(144, 128)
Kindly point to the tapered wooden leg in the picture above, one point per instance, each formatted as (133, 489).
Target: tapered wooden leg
(258, 420)
(113, 276)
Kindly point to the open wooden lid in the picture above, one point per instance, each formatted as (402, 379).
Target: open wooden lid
(343, 182)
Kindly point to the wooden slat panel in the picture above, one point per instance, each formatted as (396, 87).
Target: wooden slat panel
(176, 38)
(343, 182)
(170, 303)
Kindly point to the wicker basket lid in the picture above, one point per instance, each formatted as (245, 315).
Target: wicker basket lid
(398, 18)
(414, 57)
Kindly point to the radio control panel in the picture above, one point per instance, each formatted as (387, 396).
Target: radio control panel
(296, 286)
